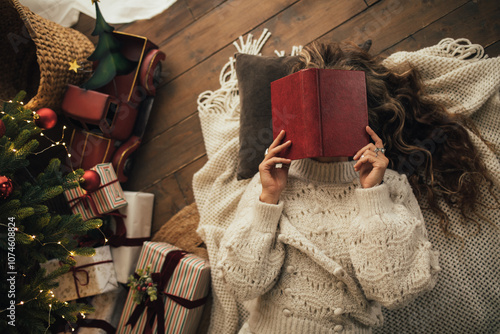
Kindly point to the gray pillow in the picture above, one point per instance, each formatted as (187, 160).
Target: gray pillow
(255, 74)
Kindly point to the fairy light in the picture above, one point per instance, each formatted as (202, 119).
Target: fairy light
(50, 309)
(35, 238)
(54, 143)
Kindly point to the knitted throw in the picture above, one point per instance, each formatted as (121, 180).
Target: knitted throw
(466, 297)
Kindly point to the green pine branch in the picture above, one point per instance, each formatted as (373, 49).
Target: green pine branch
(41, 234)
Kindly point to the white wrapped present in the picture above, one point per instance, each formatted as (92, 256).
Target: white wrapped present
(92, 275)
(131, 232)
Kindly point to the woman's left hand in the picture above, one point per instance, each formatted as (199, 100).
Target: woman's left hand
(372, 163)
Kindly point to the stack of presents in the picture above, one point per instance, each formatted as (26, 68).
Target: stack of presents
(135, 285)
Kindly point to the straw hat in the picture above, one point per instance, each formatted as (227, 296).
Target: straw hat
(35, 56)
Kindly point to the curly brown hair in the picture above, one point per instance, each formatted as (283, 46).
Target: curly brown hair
(424, 141)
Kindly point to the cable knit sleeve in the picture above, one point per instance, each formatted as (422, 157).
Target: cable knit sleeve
(251, 256)
(390, 251)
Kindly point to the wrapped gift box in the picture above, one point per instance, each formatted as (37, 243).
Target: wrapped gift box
(92, 275)
(104, 200)
(186, 280)
(135, 229)
(108, 309)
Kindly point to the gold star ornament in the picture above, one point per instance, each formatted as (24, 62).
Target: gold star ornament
(73, 66)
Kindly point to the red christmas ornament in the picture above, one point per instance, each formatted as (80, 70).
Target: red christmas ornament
(5, 187)
(91, 180)
(2, 128)
(46, 118)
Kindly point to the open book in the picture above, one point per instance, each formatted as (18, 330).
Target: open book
(323, 112)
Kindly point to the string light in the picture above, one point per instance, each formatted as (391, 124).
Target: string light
(22, 302)
(54, 143)
(50, 309)
(34, 238)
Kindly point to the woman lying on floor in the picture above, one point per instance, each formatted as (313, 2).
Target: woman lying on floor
(453, 173)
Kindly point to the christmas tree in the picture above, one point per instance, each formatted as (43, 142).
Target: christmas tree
(31, 232)
(111, 62)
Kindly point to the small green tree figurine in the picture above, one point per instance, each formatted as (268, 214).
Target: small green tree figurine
(30, 232)
(107, 52)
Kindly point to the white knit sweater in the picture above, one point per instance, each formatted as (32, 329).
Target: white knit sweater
(326, 257)
(466, 298)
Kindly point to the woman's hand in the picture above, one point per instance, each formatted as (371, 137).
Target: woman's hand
(274, 179)
(372, 162)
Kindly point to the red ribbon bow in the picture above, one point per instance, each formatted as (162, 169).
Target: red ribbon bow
(78, 269)
(86, 199)
(157, 308)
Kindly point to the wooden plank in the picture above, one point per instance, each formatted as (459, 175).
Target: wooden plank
(216, 30)
(164, 25)
(390, 21)
(168, 201)
(185, 178)
(476, 21)
(493, 50)
(200, 7)
(371, 2)
(167, 153)
(177, 100)
(310, 20)
(173, 193)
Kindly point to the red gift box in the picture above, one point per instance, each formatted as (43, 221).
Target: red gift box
(107, 198)
(183, 282)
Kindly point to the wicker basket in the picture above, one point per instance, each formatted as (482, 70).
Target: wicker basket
(35, 56)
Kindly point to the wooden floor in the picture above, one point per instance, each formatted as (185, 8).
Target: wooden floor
(197, 36)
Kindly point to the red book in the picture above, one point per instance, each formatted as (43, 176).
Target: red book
(324, 112)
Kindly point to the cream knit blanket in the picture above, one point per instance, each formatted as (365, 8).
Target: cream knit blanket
(456, 73)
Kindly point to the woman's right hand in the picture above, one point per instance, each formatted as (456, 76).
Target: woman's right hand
(274, 179)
